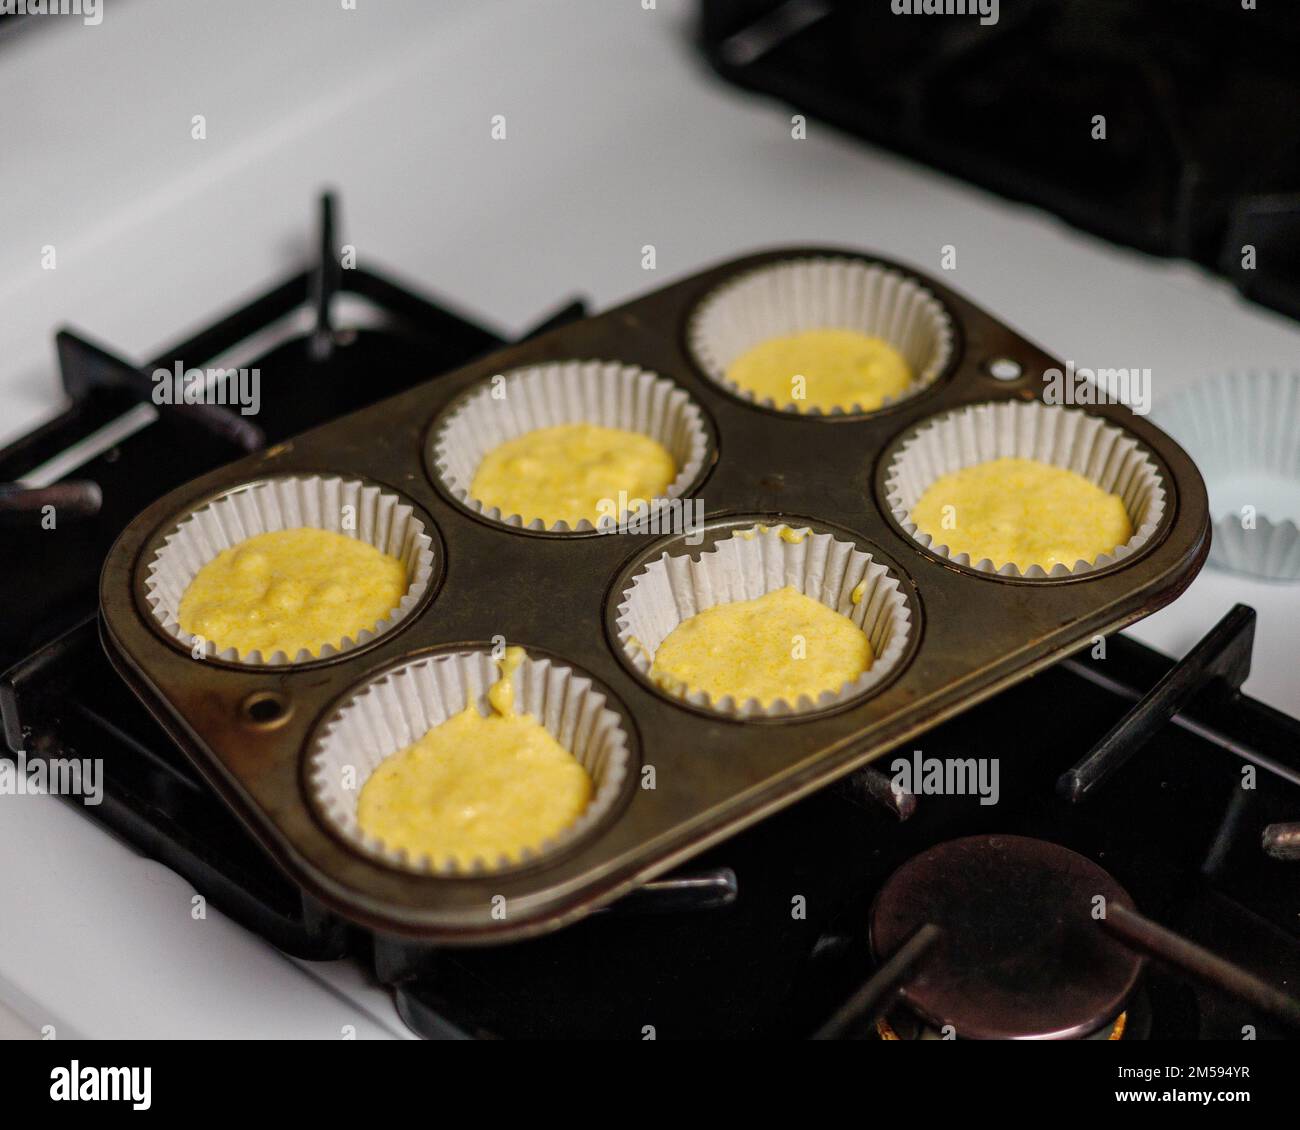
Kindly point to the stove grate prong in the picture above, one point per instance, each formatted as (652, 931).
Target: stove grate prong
(572, 311)
(1164, 945)
(75, 498)
(874, 998)
(84, 366)
(685, 891)
(325, 281)
(1282, 841)
(1222, 658)
(869, 786)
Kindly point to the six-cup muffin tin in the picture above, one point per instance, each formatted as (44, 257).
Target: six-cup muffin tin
(690, 775)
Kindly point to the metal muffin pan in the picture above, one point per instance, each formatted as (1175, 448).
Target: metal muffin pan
(249, 729)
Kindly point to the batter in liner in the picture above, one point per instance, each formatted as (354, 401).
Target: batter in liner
(1023, 512)
(476, 787)
(840, 369)
(780, 646)
(289, 590)
(562, 473)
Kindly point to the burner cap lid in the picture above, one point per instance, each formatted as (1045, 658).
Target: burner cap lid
(1021, 956)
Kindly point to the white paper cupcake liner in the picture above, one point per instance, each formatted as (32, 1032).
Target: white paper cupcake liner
(346, 506)
(399, 707)
(1101, 452)
(745, 566)
(1243, 431)
(568, 392)
(823, 293)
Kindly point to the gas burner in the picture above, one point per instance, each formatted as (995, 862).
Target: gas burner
(1020, 954)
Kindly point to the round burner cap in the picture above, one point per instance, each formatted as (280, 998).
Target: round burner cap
(1022, 955)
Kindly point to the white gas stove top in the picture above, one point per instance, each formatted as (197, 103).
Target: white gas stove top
(617, 137)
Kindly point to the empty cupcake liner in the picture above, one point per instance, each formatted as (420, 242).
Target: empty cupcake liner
(607, 393)
(1101, 452)
(823, 293)
(1243, 431)
(346, 506)
(745, 566)
(397, 708)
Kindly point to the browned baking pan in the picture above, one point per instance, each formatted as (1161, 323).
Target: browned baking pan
(248, 728)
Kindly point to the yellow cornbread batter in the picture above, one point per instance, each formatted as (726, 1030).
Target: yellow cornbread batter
(1024, 512)
(782, 645)
(291, 589)
(476, 787)
(840, 368)
(561, 474)
(785, 533)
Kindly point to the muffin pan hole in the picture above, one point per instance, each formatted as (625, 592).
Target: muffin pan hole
(366, 511)
(608, 394)
(1005, 369)
(394, 708)
(825, 293)
(265, 710)
(743, 559)
(1101, 451)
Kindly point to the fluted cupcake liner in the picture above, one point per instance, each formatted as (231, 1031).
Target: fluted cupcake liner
(350, 507)
(1243, 431)
(606, 393)
(390, 712)
(747, 565)
(822, 293)
(1102, 452)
